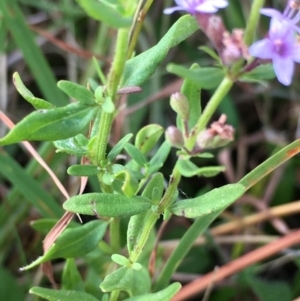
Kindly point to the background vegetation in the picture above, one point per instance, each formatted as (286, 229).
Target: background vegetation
(46, 41)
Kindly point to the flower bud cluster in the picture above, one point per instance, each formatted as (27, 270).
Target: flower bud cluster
(217, 135)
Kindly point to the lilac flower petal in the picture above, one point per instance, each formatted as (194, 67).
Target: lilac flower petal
(206, 7)
(171, 10)
(284, 69)
(185, 4)
(194, 6)
(295, 54)
(271, 12)
(220, 3)
(261, 49)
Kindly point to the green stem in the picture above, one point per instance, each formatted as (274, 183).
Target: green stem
(139, 18)
(209, 110)
(118, 64)
(102, 136)
(114, 295)
(253, 21)
(136, 252)
(113, 81)
(114, 233)
(164, 203)
(171, 190)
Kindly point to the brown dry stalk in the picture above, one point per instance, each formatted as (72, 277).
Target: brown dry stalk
(201, 284)
(67, 47)
(282, 210)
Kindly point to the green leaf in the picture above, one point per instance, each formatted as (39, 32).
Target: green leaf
(164, 295)
(116, 150)
(265, 291)
(141, 67)
(136, 154)
(260, 73)
(106, 204)
(215, 200)
(108, 105)
(37, 103)
(44, 225)
(270, 164)
(127, 279)
(137, 222)
(147, 137)
(211, 53)
(62, 295)
(83, 170)
(192, 92)
(206, 78)
(71, 278)
(157, 181)
(73, 146)
(77, 92)
(74, 242)
(101, 11)
(159, 158)
(127, 182)
(52, 124)
(189, 169)
(120, 259)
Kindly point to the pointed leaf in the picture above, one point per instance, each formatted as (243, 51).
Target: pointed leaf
(164, 295)
(189, 169)
(159, 158)
(127, 279)
(62, 295)
(215, 200)
(37, 103)
(71, 278)
(74, 146)
(260, 73)
(116, 150)
(101, 11)
(77, 92)
(192, 92)
(147, 137)
(74, 242)
(136, 154)
(206, 78)
(106, 204)
(83, 170)
(52, 124)
(211, 53)
(141, 67)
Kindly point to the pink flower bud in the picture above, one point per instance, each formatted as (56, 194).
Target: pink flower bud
(180, 105)
(174, 136)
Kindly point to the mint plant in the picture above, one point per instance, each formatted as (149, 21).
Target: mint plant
(133, 191)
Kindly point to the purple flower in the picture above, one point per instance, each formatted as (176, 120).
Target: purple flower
(290, 16)
(197, 6)
(280, 46)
